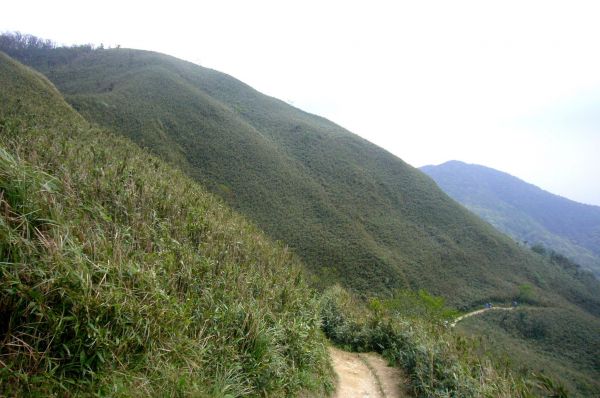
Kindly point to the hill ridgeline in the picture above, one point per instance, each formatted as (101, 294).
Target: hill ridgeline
(524, 211)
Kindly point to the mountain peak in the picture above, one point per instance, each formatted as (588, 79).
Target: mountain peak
(523, 210)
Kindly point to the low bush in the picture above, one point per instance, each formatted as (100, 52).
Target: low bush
(438, 362)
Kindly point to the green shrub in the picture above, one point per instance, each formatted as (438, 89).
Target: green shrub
(438, 362)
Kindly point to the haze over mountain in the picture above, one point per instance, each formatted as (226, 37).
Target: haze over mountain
(524, 211)
(356, 214)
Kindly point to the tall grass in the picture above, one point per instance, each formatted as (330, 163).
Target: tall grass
(120, 276)
(439, 363)
(356, 214)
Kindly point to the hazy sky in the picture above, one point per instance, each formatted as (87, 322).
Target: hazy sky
(513, 85)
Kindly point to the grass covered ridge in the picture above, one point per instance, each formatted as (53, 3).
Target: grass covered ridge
(355, 214)
(120, 276)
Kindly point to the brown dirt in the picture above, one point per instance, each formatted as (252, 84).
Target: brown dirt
(366, 376)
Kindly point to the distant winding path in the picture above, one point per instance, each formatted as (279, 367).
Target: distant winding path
(477, 312)
(369, 376)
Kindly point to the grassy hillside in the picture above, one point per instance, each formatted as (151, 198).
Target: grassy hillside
(354, 212)
(120, 276)
(551, 341)
(524, 211)
(442, 363)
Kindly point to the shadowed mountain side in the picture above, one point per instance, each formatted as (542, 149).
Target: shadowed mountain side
(524, 211)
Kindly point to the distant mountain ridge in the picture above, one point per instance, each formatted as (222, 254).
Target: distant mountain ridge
(355, 213)
(524, 211)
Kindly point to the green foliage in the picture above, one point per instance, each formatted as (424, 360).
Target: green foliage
(355, 213)
(420, 304)
(439, 363)
(554, 389)
(119, 276)
(526, 294)
(530, 339)
(583, 297)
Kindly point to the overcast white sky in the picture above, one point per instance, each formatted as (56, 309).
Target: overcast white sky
(513, 85)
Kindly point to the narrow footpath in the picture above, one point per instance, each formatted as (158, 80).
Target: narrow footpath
(477, 312)
(366, 376)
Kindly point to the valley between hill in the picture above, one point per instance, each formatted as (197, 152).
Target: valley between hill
(122, 275)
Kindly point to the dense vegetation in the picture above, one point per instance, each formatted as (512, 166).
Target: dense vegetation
(439, 363)
(557, 342)
(354, 213)
(524, 211)
(120, 276)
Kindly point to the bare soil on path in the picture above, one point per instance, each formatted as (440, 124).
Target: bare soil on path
(366, 376)
(481, 311)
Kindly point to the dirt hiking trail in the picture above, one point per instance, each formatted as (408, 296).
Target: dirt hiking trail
(477, 312)
(366, 376)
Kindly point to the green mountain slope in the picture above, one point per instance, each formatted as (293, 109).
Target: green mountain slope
(354, 212)
(120, 276)
(550, 341)
(524, 211)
